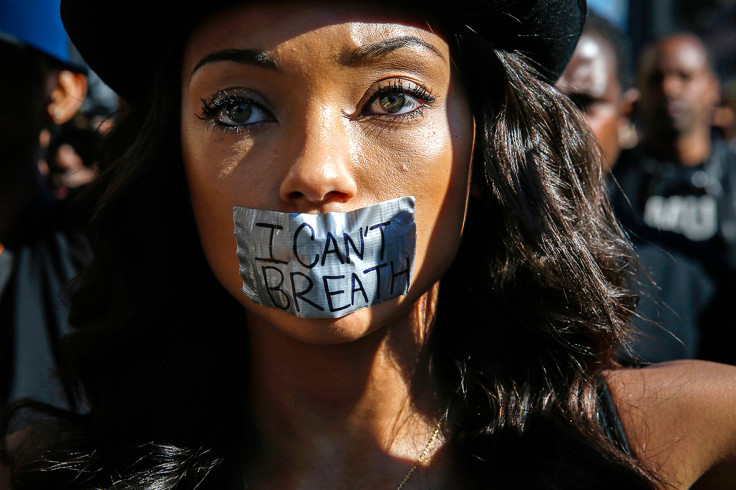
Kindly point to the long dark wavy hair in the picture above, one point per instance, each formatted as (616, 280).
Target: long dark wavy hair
(529, 316)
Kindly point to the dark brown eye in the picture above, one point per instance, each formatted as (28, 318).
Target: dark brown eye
(235, 108)
(239, 113)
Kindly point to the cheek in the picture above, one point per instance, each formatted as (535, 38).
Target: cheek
(430, 162)
(212, 203)
(605, 123)
(443, 193)
(394, 160)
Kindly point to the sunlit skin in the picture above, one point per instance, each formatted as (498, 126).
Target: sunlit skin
(317, 139)
(679, 93)
(590, 81)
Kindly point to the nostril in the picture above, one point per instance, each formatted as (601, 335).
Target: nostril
(332, 196)
(336, 196)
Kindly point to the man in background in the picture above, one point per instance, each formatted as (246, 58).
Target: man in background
(680, 179)
(678, 186)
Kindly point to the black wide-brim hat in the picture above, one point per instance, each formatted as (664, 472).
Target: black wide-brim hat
(123, 41)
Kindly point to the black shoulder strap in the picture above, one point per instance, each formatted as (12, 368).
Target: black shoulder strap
(609, 420)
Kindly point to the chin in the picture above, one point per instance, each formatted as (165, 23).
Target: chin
(359, 324)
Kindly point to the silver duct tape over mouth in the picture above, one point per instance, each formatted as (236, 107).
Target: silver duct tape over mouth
(326, 265)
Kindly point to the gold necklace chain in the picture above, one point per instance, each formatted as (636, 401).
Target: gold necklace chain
(423, 455)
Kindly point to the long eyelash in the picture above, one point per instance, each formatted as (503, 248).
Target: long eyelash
(393, 121)
(221, 99)
(399, 85)
(417, 91)
(397, 119)
(216, 103)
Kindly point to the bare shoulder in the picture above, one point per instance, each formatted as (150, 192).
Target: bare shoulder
(680, 419)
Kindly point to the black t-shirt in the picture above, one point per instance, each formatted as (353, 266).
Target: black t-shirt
(683, 222)
(690, 208)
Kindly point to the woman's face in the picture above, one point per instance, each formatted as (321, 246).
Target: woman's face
(315, 108)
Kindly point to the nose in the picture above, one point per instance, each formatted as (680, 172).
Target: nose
(321, 171)
(671, 85)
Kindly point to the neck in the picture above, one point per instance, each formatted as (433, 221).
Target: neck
(365, 407)
(687, 149)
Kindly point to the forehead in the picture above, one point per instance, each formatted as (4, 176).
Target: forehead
(321, 27)
(591, 69)
(680, 53)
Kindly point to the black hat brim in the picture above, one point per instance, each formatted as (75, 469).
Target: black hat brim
(123, 42)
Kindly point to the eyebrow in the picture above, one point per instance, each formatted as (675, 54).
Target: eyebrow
(255, 57)
(380, 49)
(358, 56)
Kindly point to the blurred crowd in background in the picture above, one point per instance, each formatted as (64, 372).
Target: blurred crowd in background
(714, 21)
(656, 80)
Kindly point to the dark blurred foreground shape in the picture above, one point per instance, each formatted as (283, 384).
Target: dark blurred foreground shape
(40, 249)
